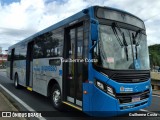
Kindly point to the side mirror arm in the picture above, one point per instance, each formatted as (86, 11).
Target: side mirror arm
(94, 32)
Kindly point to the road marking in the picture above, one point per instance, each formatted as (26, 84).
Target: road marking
(20, 101)
(156, 95)
(148, 111)
(144, 110)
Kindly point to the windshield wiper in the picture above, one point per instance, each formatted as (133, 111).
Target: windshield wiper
(138, 32)
(134, 37)
(125, 44)
(116, 34)
(114, 24)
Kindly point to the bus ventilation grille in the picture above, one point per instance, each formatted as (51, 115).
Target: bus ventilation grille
(130, 77)
(127, 97)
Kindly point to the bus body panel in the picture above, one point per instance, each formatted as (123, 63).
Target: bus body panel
(19, 68)
(96, 99)
(106, 104)
(43, 72)
(127, 87)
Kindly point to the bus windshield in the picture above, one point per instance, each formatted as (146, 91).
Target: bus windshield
(124, 53)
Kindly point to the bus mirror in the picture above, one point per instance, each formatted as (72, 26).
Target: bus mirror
(94, 30)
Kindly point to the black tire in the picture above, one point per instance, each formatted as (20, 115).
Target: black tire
(56, 98)
(16, 80)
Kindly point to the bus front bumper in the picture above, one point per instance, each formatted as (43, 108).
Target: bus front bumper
(100, 104)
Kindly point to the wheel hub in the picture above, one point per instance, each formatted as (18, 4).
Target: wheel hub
(56, 96)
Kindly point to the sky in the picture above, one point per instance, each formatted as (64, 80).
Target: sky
(20, 19)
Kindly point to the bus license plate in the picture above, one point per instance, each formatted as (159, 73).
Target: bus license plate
(135, 99)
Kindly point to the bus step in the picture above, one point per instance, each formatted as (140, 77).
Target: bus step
(29, 88)
(72, 105)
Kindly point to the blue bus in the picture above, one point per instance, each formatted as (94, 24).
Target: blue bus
(96, 61)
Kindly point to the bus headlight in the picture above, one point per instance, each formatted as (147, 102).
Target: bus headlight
(100, 85)
(110, 91)
(106, 88)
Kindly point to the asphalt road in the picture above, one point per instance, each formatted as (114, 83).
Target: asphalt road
(40, 103)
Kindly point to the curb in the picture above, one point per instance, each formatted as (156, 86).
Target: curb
(8, 102)
(12, 108)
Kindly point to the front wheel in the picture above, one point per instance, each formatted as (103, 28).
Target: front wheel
(56, 97)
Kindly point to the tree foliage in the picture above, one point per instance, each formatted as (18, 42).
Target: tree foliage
(154, 54)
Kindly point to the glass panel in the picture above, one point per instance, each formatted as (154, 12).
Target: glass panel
(112, 54)
(115, 56)
(79, 64)
(142, 52)
(119, 16)
(49, 45)
(71, 72)
(72, 33)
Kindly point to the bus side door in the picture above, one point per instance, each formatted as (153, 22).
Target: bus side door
(29, 65)
(73, 74)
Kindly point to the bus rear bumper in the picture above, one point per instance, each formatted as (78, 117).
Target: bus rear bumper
(100, 104)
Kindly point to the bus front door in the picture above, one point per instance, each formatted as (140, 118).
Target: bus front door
(73, 67)
(11, 64)
(29, 66)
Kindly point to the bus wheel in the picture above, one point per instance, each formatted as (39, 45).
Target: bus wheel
(56, 97)
(16, 85)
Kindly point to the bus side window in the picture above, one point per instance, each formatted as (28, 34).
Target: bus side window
(49, 45)
(37, 50)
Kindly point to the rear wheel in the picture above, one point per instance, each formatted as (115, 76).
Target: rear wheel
(16, 85)
(56, 97)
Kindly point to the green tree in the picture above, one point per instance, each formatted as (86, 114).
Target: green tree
(154, 51)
